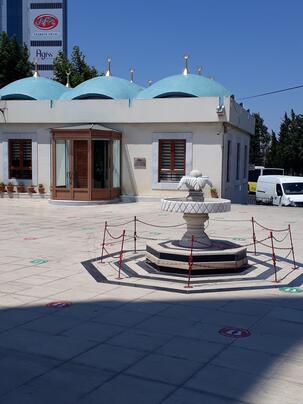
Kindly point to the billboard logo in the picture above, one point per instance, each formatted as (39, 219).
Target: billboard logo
(46, 22)
(44, 55)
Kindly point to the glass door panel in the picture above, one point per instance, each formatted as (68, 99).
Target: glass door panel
(116, 163)
(100, 171)
(63, 174)
(80, 157)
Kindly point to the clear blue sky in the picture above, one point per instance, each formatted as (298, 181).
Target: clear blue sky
(248, 46)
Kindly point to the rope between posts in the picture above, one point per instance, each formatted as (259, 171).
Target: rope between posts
(280, 241)
(113, 237)
(163, 227)
(118, 242)
(121, 224)
(229, 220)
(267, 228)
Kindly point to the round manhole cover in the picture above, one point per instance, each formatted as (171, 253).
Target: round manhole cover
(234, 332)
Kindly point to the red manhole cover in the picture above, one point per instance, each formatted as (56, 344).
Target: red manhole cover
(59, 305)
(234, 332)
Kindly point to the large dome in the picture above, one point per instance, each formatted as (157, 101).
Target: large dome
(103, 87)
(33, 88)
(180, 85)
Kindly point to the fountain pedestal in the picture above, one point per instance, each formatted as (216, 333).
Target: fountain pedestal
(195, 226)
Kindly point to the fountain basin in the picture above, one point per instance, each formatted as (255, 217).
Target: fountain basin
(195, 215)
(182, 205)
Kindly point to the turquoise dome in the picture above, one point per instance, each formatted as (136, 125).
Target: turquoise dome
(105, 88)
(191, 85)
(33, 88)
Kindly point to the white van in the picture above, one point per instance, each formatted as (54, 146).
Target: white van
(281, 190)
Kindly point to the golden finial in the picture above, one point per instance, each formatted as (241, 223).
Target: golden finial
(185, 70)
(108, 72)
(68, 85)
(132, 71)
(200, 70)
(36, 72)
(150, 82)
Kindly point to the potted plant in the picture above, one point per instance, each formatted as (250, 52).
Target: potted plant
(41, 189)
(214, 192)
(10, 187)
(31, 189)
(2, 187)
(20, 187)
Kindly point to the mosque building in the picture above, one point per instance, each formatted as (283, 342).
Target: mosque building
(109, 139)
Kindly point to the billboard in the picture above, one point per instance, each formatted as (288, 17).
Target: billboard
(46, 24)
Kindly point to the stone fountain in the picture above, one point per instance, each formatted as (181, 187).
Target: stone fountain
(209, 255)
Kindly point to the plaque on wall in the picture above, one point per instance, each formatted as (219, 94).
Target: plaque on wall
(139, 162)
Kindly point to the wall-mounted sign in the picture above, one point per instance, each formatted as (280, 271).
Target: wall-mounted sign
(140, 162)
(46, 21)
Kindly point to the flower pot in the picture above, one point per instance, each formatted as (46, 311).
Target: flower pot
(20, 188)
(41, 190)
(10, 188)
(2, 188)
(31, 189)
(214, 194)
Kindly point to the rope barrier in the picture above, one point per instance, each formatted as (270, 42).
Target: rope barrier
(121, 224)
(162, 227)
(281, 241)
(113, 237)
(267, 228)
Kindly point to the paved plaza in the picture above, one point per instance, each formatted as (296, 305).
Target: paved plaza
(139, 343)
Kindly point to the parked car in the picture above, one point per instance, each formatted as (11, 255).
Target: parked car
(281, 190)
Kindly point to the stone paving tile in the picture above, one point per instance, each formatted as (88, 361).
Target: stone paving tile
(125, 389)
(139, 340)
(51, 324)
(164, 325)
(122, 317)
(192, 349)
(233, 384)
(93, 331)
(64, 385)
(164, 369)
(17, 368)
(109, 357)
(186, 396)
(58, 347)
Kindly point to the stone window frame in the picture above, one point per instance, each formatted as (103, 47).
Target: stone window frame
(188, 137)
(6, 136)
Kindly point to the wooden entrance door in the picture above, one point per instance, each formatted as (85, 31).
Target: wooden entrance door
(80, 170)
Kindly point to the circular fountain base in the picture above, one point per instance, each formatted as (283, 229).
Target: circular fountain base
(221, 256)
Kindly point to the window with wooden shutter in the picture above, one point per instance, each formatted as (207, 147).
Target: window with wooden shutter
(171, 160)
(20, 159)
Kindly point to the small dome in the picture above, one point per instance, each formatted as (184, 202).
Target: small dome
(103, 88)
(180, 85)
(33, 88)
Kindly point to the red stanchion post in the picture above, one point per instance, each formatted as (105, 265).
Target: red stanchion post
(254, 235)
(103, 241)
(190, 264)
(292, 247)
(273, 256)
(135, 234)
(121, 255)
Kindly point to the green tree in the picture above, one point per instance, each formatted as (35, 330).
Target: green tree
(291, 143)
(14, 59)
(79, 70)
(272, 158)
(259, 142)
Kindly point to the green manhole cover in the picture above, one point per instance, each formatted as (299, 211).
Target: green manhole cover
(288, 289)
(154, 233)
(39, 261)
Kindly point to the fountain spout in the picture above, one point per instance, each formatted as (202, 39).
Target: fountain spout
(195, 182)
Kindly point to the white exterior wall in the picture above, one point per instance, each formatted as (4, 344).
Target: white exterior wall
(235, 189)
(40, 152)
(141, 122)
